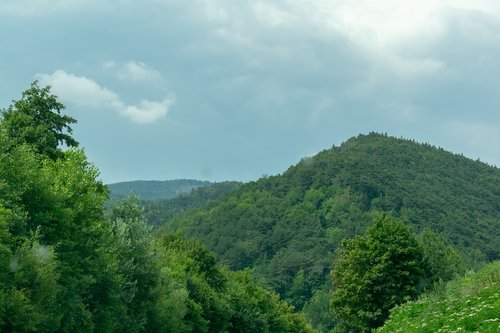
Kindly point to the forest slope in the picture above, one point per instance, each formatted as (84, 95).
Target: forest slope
(154, 189)
(161, 211)
(288, 226)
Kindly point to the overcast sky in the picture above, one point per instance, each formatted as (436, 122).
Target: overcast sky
(233, 90)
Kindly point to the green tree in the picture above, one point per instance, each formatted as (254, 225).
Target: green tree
(373, 274)
(36, 120)
(130, 245)
(442, 262)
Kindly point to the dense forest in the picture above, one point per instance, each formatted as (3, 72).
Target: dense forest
(379, 232)
(66, 266)
(154, 189)
(288, 228)
(160, 212)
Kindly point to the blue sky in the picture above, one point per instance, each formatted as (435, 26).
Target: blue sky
(233, 90)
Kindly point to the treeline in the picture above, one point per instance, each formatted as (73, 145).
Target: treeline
(66, 266)
(154, 189)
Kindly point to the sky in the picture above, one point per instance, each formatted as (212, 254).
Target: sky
(237, 89)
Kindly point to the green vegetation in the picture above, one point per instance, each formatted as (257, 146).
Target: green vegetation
(467, 304)
(161, 212)
(288, 227)
(66, 267)
(373, 274)
(36, 120)
(197, 296)
(343, 237)
(154, 189)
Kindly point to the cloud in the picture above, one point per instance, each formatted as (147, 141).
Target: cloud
(109, 64)
(146, 112)
(391, 36)
(139, 71)
(78, 90)
(136, 71)
(85, 92)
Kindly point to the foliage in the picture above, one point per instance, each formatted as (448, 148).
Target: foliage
(35, 120)
(373, 274)
(442, 262)
(467, 304)
(195, 295)
(160, 212)
(129, 243)
(66, 267)
(154, 189)
(317, 310)
(288, 227)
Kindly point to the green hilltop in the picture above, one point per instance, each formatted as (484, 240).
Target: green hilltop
(287, 227)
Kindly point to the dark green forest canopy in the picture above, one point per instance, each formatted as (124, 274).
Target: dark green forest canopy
(154, 189)
(160, 212)
(288, 226)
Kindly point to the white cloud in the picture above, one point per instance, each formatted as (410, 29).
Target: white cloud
(147, 111)
(85, 92)
(136, 71)
(392, 36)
(139, 71)
(78, 90)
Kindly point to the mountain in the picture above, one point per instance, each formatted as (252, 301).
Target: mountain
(161, 211)
(288, 227)
(154, 189)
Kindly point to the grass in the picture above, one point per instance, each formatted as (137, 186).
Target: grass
(467, 304)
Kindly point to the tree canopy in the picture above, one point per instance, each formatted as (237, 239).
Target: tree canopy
(287, 227)
(36, 120)
(373, 274)
(66, 266)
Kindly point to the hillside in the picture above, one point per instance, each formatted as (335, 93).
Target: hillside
(154, 189)
(287, 227)
(468, 304)
(161, 211)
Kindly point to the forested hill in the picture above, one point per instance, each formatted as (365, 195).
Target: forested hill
(154, 189)
(161, 211)
(288, 226)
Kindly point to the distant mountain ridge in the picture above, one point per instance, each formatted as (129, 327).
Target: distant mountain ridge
(161, 211)
(154, 189)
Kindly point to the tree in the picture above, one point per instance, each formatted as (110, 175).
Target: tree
(36, 120)
(129, 243)
(442, 262)
(373, 274)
